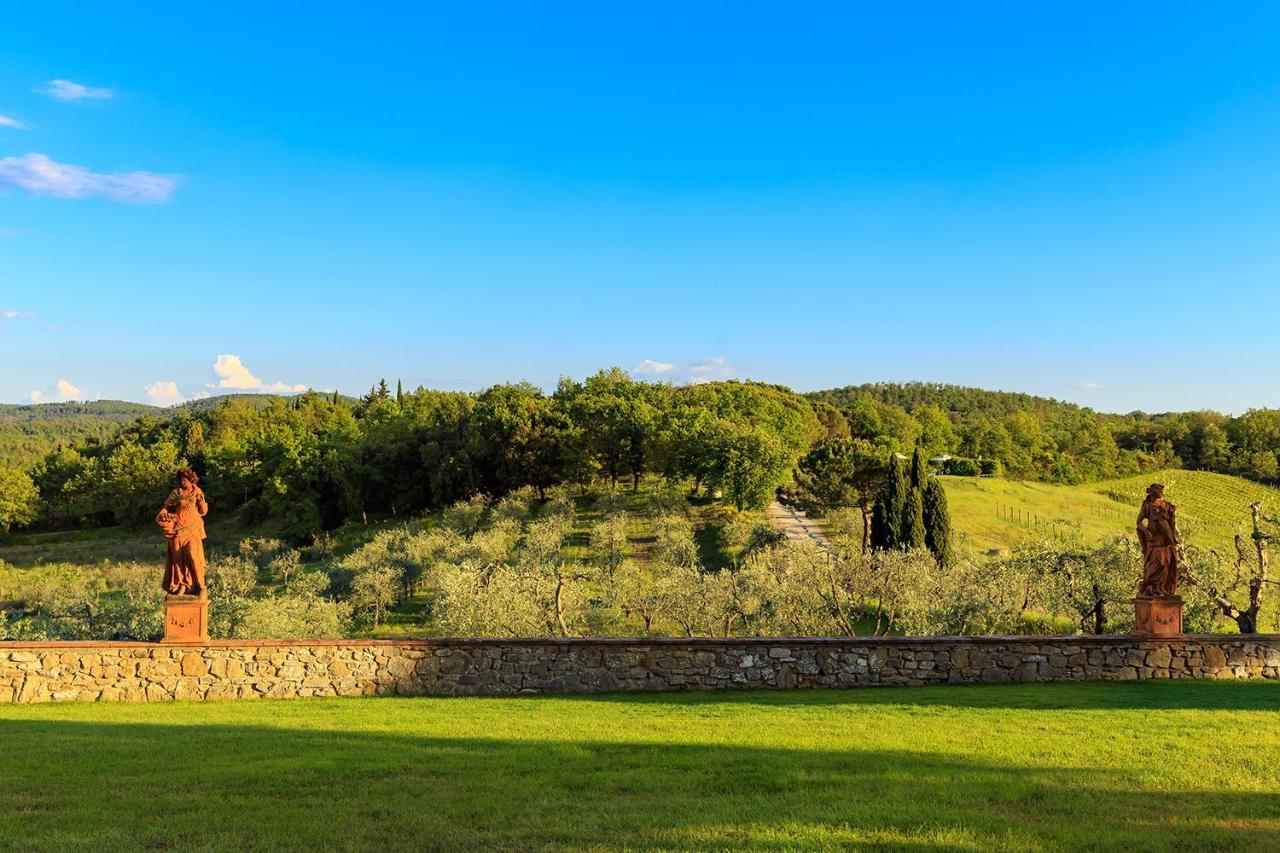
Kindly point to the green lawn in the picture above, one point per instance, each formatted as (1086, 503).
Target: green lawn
(1137, 766)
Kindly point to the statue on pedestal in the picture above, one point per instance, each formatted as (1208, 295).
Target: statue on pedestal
(182, 521)
(1158, 608)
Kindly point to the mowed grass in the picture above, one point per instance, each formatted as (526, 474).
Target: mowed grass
(1212, 507)
(980, 509)
(1136, 766)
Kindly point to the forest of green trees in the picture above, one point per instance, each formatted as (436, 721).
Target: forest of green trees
(309, 463)
(306, 464)
(1043, 439)
(479, 495)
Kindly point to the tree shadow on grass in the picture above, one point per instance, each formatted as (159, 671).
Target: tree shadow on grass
(1179, 694)
(77, 785)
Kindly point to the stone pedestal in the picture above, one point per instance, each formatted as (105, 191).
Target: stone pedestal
(186, 619)
(1158, 617)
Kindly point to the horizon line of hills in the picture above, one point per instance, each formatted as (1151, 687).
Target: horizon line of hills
(956, 399)
(746, 435)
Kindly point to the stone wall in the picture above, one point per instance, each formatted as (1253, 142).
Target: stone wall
(88, 671)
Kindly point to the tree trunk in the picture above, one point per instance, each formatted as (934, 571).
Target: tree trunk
(1099, 612)
(866, 527)
(564, 629)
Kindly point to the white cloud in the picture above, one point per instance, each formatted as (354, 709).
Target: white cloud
(10, 314)
(656, 368)
(69, 90)
(234, 376)
(232, 373)
(1091, 386)
(62, 392)
(13, 123)
(707, 370)
(164, 393)
(282, 388)
(38, 175)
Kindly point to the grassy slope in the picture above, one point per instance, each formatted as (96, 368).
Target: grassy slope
(1034, 767)
(1212, 507)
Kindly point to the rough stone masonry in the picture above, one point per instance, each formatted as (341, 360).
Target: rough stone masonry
(137, 672)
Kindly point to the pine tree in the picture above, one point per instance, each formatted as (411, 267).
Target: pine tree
(912, 534)
(377, 392)
(937, 522)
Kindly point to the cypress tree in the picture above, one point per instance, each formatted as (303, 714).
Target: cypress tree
(399, 394)
(880, 528)
(937, 522)
(335, 398)
(919, 471)
(912, 533)
(894, 500)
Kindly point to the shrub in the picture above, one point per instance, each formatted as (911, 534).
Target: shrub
(959, 466)
(262, 550)
(291, 616)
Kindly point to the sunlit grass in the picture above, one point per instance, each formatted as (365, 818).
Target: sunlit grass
(1137, 766)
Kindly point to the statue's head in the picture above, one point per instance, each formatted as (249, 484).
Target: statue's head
(1155, 491)
(188, 478)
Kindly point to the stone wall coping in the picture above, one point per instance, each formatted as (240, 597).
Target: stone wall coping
(685, 642)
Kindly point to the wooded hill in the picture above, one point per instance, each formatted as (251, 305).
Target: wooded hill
(29, 432)
(309, 462)
(1042, 438)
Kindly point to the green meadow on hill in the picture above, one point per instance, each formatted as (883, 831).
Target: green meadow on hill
(994, 513)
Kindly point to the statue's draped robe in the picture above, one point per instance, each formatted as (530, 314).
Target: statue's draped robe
(183, 521)
(1159, 537)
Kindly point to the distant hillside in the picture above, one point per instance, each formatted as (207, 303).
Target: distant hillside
(29, 432)
(963, 403)
(114, 411)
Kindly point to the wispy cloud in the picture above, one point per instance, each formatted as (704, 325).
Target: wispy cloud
(233, 375)
(713, 368)
(13, 314)
(707, 370)
(62, 392)
(1090, 386)
(9, 233)
(164, 393)
(649, 367)
(39, 175)
(13, 123)
(69, 90)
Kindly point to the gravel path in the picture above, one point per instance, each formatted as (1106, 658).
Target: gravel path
(796, 524)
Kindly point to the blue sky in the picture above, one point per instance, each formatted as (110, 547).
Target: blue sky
(1081, 202)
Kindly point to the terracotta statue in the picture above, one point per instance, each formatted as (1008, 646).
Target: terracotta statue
(1159, 538)
(182, 520)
